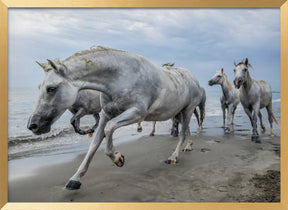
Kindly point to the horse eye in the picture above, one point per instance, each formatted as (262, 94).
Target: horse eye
(234, 70)
(51, 89)
(245, 69)
(218, 76)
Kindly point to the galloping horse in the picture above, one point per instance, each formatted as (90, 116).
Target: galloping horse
(254, 95)
(132, 89)
(229, 98)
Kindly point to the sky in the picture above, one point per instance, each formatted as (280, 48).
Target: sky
(201, 40)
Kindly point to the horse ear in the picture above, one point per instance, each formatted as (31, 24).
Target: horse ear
(58, 68)
(246, 62)
(235, 64)
(46, 67)
(222, 71)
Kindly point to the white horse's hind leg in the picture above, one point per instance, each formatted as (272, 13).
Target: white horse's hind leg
(188, 147)
(128, 117)
(185, 120)
(270, 118)
(139, 127)
(224, 114)
(261, 121)
(153, 130)
(74, 182)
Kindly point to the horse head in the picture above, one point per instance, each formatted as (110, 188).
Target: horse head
(241, 73)
(218, 78)
(56, 94)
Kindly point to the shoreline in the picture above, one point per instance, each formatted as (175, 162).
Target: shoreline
(218, 169)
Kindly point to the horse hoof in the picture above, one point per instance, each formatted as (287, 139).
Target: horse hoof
(186, 150)
(256, 139)
(90, 135)
(139, 130)
(121, 161)
(73, 185)
(151, 134)
(171, 162)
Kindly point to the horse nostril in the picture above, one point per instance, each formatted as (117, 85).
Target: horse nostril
(33, 127)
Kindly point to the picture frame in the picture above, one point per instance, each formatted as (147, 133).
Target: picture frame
(6, 4)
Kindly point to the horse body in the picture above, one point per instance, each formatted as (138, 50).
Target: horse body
(230, 96)
(132, 89)
(254, 95)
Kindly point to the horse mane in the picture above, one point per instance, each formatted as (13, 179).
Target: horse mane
(93, 49)
(168, 64)
(229, 84)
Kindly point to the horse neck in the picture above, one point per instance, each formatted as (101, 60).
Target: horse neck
(84, 77)
(248, 82)
(226, 87)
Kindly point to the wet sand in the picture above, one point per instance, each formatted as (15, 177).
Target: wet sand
(220, 168)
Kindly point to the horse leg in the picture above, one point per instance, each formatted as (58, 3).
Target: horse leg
(198, 121)
(175, 126)
(188, 147)
(139, 127)
(91, 131)
(249, 113)
(74, 182)
(153, 130)
(224, 117)
(270, 118)
(233, 114)
(202, 114)
(75, 121)
(185, 117)
(129, 116)
(261, 122)
(229, 117)
(256, 110)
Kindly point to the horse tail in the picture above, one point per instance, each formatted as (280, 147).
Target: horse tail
(274, 118)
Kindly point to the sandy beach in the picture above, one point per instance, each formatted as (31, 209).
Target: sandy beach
(220, 168)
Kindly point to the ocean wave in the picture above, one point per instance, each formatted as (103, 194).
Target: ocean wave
(16, 140)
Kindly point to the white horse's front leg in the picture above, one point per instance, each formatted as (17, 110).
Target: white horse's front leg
(74, 182)
(130, 116)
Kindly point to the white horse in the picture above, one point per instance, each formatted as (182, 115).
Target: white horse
(254, 95)
(132, 89)
(229, 98)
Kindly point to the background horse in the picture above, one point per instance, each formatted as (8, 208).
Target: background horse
(132, 89)
(229, 98)
(254, 95)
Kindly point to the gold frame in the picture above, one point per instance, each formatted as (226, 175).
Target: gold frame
(5, 4)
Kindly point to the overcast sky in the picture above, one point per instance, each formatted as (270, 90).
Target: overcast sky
(201, 40)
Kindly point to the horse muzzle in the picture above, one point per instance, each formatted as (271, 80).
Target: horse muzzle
(210, 82)
(238, 82)
(38, 126)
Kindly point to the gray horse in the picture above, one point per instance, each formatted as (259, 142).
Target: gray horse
(254, 95)
(174, 129)
(229, 98)
(132, 89)
(87, 103)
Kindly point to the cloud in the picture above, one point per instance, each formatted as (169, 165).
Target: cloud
(191, 37)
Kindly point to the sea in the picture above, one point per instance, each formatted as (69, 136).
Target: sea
(62, 139)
